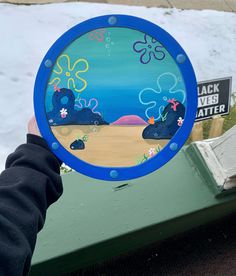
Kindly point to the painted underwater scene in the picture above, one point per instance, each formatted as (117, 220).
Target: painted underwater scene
(115, 97)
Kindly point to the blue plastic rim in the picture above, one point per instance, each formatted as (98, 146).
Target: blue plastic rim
(177, 141)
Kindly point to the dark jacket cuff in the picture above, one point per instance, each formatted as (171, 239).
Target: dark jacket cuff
(38, 140)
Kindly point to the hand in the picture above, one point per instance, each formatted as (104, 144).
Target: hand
(33, 127)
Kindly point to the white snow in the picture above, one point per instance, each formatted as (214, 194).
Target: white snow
(209, 38)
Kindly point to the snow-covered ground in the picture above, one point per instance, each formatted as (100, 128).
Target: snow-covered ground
(209, 38)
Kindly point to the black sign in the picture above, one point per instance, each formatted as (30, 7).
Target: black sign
(213, 98)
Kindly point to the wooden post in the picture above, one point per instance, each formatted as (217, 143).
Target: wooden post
(216, 127)
(197, 132)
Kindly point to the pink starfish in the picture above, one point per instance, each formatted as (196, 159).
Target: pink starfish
(174, 103)
(56, 88)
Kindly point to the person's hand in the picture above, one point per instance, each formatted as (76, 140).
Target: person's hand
(33, 127)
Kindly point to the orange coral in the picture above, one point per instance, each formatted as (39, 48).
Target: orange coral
(151, 121)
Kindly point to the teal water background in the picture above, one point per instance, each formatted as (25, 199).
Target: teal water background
(116, 76)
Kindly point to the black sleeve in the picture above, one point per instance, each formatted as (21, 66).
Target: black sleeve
(28, 185)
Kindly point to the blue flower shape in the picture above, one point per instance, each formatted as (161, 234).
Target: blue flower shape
(149, 48)
(156, 100)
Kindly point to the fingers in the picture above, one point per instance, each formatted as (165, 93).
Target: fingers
(33, 127)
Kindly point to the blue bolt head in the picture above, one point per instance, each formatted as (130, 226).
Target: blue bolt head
(55, 145)
(113, 174)
(48, 63)
(173, 146)
(112, 20)
(181, 58)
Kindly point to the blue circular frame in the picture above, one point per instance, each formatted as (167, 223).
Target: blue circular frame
(177, 141)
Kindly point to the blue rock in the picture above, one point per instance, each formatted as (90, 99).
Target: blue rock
(167, 127)
(65, 99)
(77, 145)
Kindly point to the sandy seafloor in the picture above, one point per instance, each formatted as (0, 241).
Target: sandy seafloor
(108, 146)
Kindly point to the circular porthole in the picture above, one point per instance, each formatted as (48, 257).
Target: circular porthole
(115, 97)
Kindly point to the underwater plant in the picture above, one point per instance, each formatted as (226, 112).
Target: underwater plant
(151, 120)
(151, 152)
(85, 138)
(98, 35)
(164, 117)
(174, 103)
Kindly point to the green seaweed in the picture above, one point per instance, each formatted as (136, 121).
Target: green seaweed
(163, 118)
(85, 138)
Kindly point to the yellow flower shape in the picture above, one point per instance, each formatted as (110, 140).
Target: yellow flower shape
(70, 73)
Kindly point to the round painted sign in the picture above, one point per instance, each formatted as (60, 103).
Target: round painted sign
(115, 97)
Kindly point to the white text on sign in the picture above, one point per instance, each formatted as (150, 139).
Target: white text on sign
(213, 98)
